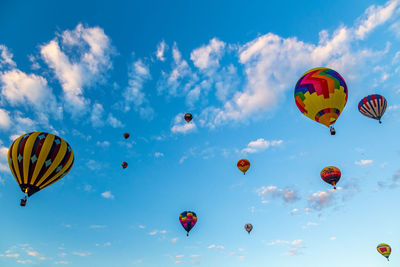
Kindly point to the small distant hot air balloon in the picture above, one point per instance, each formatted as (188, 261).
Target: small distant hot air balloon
(188, 220)
(37, 160)
(384, 250)
(126, 135)
(248, 227)
(331, 175)
(124, 165)
(373, 106)
(243, 165)
(321, 94)
(188, 117)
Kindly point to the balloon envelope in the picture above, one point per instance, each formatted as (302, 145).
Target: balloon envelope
(124, 165)
(331, 175)
(384, 250)
(321, 95)
(248, 227)
(39, 159)
(126, 135)
(188, 219)
(373, 106)
(188, 117)
(243, 165)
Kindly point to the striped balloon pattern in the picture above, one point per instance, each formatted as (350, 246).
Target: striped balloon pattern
(384, 250)
(38, 160)
(373, 106)
(188, 219)
(331, 175)
(321, 95)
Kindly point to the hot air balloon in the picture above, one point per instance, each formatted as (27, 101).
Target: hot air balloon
(37, 160)
(126, 135)
(373, 106)
(188, 220)
(321, 94)
(124, 165)
(248, 227)
(384, 250)
(188, 117)
(243, 165)
(331, 175)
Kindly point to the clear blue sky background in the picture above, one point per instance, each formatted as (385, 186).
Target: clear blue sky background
(89, 71)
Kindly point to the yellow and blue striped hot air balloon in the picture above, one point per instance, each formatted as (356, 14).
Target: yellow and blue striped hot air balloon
(321, 94)
(384, 250)
(38, 160)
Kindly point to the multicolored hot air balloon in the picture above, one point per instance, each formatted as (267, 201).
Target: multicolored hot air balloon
(126, 135)
(243, 165)
(321, 94)
(188, 117)
(188, 220)
(384, 250)
(124, 165)
(37, 160)
(248, 227)
(331, 175)
(373, 106)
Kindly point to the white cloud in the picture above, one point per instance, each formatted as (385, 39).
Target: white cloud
(217, 247)
(179, 256)
(153, 232)
(181, 76)
(5, 120)
(103, 143)
(273, 63)
(364, 162)
(287, 195)
(260, 145)
(158, 154)
(6, 57)
(161, 47)
(181, 126)
(174, 240)
(21, 89)
(96, 115)
(36, 255)
(284, 242)
(139, 73)
(322, 199)
(114, 122)
(294, 211)
(107, 194)
(333, 238)
(82, 254)
(62, 262)
(208, 56)
(375, 16)
(26, 262)
(93, 165)
(89, 50)
(9, 255)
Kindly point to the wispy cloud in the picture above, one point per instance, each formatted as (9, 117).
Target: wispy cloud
(260, 145)
(79, 58)
(139, 74)
(364, 162)
(107, 195)
(181, 126)
(287, 195)
(158, 154)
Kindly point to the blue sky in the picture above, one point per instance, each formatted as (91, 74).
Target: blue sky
(91, 71)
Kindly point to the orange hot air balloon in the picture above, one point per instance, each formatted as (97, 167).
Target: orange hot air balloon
(126, 135)
(243, 165)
